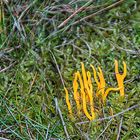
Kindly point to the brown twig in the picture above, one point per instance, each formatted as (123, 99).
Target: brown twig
(61, 117)
(100, 11)
(3, 70)
(3, 138)
(32, 83)
(109, 122)
(77, 11)
(119, 131)
(47, 132)
(58, 69)
(110, 117)
(29, 132)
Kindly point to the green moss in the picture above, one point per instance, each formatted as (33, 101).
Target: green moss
(28, 88)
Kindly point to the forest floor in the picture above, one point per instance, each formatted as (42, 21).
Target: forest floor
(42, 45)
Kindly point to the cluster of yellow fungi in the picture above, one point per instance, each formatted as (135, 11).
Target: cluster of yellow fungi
(83, 89)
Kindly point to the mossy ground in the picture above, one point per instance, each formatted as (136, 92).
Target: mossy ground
(31, 50)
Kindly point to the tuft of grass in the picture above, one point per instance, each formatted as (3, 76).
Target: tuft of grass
(31, 77)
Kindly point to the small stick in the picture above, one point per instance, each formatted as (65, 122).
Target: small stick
(47, 132)
(28, 130)
(3, 70)
(58, 69)
(110, 117)
(26, 9)
(3, 138)
(32, 83)
(109, 122)
(61, 117)
(119, 131)
(100, 11)
(77, 11)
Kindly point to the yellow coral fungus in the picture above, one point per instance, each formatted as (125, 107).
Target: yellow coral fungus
(95, 77)
(87, 88)
(120, 77)
(67, 101)
(91, 94)
(107, 92)
(84, 77)
(102, 82)
(76, 93)
(89, 82)
(83, 95)
(80, 80)
(83, 92)
(85, 106)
